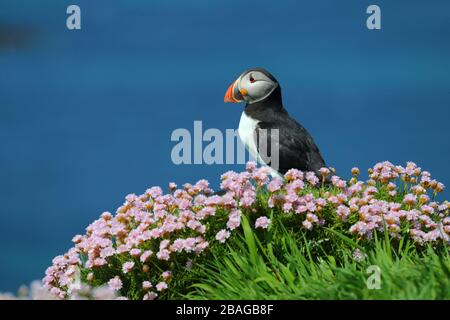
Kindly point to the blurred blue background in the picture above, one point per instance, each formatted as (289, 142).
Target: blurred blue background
(86, 116)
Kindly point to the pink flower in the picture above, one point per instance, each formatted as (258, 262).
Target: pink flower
(202, 245)
(311, 206)
(127, 266)
(307, 224)
(392, 193)
(166, 275)
(262, 222)
(222, 235)
(172, 186)
(409, 199)
(427, 209)
(287, 206)
(77, 239)
(163, 254)
(293, 174)
(312, 178)
(234, 220)
(106, 216)
(150, 296)
(324, 171)
(274, 185)
(248, 198)
(439, 187)
(261, 175)
(164, 244)
(338, 182)
(98, 262)
(122, 248)
(161, 286)
(107, 252)
(135, 252)
(251, 166)
(154, 192)
(115, 283)
(343, 212)
(146, 285)
(145, 255)
(301, 209)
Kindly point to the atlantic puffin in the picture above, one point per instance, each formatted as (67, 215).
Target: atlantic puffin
(264, 110)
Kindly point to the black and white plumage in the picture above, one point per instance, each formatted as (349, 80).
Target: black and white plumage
(264, 110)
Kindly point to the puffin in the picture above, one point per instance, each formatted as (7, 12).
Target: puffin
(264, 112)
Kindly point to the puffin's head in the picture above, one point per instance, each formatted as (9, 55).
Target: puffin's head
(252, 86)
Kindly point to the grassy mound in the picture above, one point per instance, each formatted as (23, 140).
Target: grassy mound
(296, 238)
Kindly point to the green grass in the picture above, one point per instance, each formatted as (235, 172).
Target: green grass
(286, 264)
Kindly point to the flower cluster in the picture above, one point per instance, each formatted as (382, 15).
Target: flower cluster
(36, 291)
(152, 232)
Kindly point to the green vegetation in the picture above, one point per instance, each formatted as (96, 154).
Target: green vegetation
(285, 268)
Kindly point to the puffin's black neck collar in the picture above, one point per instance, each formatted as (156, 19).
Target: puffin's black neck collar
(273, 102)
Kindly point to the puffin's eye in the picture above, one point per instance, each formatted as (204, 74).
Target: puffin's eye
(252, 80)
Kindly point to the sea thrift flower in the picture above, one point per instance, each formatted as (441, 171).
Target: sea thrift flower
(409, 199)
(343, 212)
(262, 222)
(248, 198)
(163, 254)
(337, 182)
(427, 209)
(77, 239)
(358, 255)
(222, 235)
(324, 171)
(146, 285)
(161, 286)
(166, 275)
(307, 224)
(115, 283)
(274, 185)
(135, 252)
(439, 187)
(127, 266)
(234, 220)
(150, 296)
(261, 175)
(312, 178)
(145, 255)
(293, 174)
(251, 166)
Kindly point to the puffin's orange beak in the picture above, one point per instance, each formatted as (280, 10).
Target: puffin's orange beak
(229, 95)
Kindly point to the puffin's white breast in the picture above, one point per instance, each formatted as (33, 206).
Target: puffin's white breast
(247, 126)
(246, 131)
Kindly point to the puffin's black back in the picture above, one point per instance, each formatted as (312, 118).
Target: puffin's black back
(297, 148)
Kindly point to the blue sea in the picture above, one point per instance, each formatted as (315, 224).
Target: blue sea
(86, 115)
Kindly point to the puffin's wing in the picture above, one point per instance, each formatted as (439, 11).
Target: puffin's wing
(296, 147)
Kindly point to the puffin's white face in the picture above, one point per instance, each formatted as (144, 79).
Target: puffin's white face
(252, 86)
